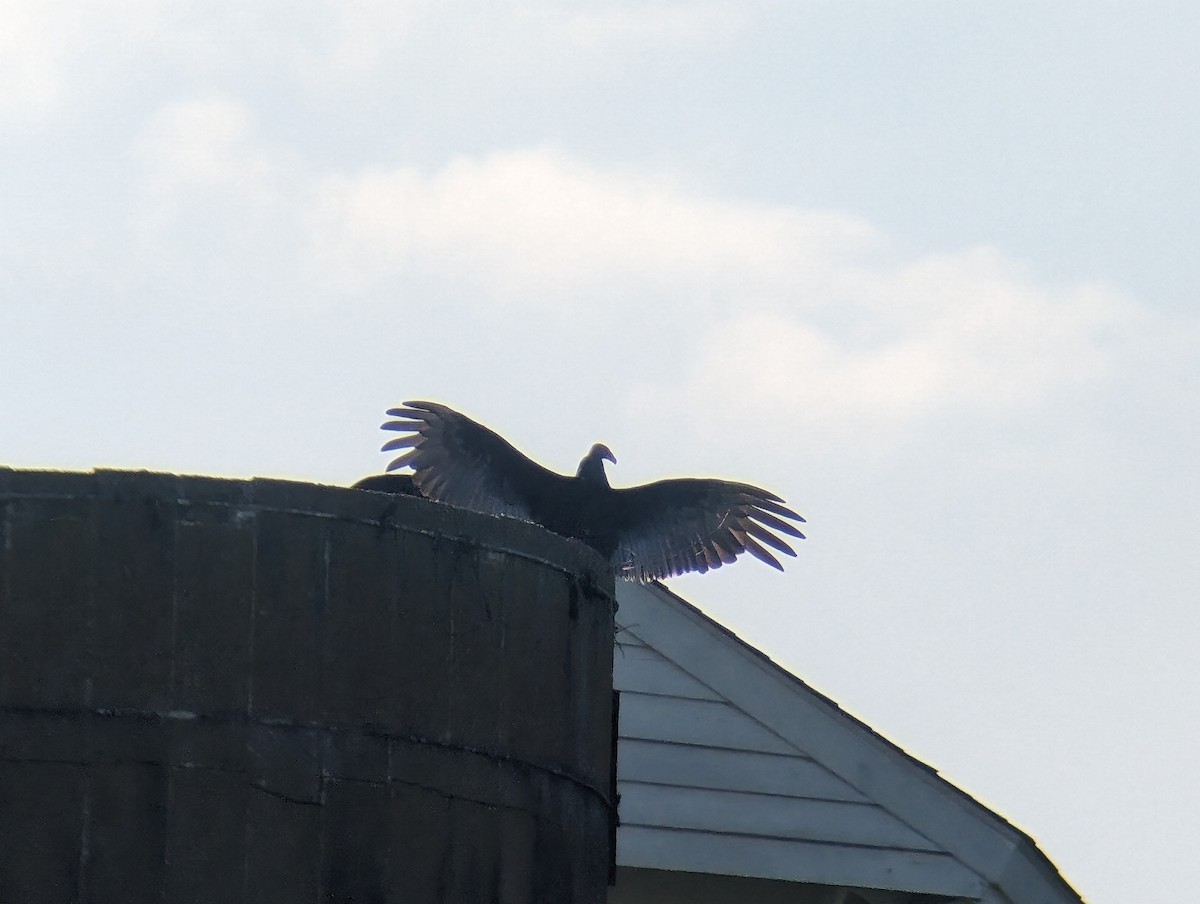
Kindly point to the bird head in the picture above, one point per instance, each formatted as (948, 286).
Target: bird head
(592, 466)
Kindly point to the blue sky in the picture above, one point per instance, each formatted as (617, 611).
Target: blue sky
(927, 270)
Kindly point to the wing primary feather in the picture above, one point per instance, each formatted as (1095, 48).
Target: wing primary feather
(723, 546)
(410, 413)
(424, 409)
(761, 533)
(761, 554)
(733, 542)
(777, 509)
(403, 460)
(401, 442)
(778, 523)
(766, 494)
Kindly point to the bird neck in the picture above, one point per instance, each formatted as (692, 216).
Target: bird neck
(591, 469)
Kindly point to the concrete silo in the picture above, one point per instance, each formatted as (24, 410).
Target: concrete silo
(221, 690)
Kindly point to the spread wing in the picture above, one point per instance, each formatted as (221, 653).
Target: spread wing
(462, 463)
(674, 526)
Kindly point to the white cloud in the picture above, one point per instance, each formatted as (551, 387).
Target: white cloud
(362, 34)
(204, 154)
(809, 313)
(53, 53)
(32, 52)
(367, 35)
(648, 24)
(965, 334)
(538, 222)
(52, 50)
(205, 143)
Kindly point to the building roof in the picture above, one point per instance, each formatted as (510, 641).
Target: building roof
(729, 765)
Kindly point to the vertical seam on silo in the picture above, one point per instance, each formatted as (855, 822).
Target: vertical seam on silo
(447, 731)
(398, 596)
(170, 770)
(323, 778)
(5, 547)
(246, 804)
(321, 828)
(89, 606)
(322, 646)
(84, 834)
(174, 606)
(252, 615)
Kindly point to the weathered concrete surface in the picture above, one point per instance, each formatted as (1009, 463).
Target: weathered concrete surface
(222, 691)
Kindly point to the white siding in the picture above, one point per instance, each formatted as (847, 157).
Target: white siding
(766, 815)
(707, 723)
(727, 765)
(774, 858)
(733, 770)
(650, 886)
(698, 775)
(644, 670)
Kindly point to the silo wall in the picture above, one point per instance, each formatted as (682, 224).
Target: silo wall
(221, 691)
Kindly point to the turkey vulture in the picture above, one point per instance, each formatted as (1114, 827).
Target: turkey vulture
(647, 532)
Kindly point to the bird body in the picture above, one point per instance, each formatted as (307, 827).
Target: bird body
(647, 532)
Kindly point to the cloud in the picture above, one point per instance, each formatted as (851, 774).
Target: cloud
(203, 164)
(52, 52)
(538, 222)
(505, 40)
(966, 333)
(57, 56)
(202, 143)
(361, 35)
(813, 311)
(775, 308)
(32, 53)
(659, 25)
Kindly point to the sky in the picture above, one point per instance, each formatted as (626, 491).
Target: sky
(927, 270)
